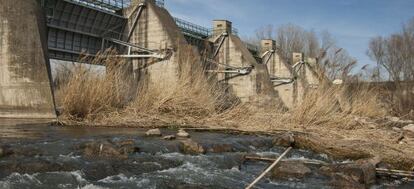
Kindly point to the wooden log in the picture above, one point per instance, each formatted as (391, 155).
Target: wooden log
(258, 158)
(269, 168)
(391, 172)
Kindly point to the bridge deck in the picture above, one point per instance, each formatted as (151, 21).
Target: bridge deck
(78, 27)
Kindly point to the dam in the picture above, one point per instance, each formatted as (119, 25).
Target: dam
(143, 32)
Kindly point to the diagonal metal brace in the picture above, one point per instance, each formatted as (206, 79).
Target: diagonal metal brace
(140, 8)
(223, 38)
(270, 53)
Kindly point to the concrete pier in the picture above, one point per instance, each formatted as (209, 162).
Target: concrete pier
(156, 30)
(253, 87)
(25, 88)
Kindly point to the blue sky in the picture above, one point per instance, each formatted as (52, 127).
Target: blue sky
(351, 22)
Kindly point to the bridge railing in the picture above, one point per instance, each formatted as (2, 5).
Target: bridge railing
(192, 29)
(251, 47)
(107, 5)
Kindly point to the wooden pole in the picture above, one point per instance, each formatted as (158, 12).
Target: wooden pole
(400, 173)
(268, 169)
(305, 161)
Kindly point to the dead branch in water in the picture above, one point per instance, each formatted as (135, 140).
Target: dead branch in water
(391, 172)
(269, 168)
(313, 162)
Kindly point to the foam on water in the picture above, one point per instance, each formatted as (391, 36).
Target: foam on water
(121, 178)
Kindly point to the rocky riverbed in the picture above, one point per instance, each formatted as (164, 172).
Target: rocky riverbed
(43, 156)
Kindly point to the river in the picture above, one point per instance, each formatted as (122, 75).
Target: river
(50, 157)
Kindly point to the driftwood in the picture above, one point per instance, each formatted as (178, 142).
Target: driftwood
(305, 161)
(399, 173)
(269, 168)
(379, 171)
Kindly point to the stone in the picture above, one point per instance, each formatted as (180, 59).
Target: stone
(108, 149)
(31, 166)
(357, 174)
(19, 151)
(286, 140)
(220, 148)
(102, 149)
(153, 132)
(191, 147)
(1, 152)
(290, 169)
(183, 134)
(169, 137)
(126, 146)
(340, 181)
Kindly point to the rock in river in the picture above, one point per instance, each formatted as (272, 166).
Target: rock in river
(290, 169)
(360, 174)
(220, 148)
(191, 147)
(108, 149)
(153, 132)
(183, 134)
(285, 140)
(169, 137)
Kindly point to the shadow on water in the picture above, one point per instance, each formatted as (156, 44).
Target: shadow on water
(45, 156)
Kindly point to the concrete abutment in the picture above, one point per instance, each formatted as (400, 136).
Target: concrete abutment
(25, 88)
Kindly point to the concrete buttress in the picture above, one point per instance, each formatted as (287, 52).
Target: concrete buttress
(156, 30)
(25, 88)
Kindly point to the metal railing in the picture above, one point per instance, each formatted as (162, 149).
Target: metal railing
(192, 29)
(251, 47)
(107, 5)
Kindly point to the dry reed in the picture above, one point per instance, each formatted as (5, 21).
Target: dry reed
(87, 95)
(197, 98)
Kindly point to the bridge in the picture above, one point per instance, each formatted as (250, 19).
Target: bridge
(142, 31)
(81, 27)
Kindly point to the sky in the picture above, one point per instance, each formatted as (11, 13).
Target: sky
(351, 22)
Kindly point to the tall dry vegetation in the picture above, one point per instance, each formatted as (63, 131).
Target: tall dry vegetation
(195, 95)
(108, 98)
(87, 94)
(325, 107)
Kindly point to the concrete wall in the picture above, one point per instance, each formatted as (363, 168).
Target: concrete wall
(25, 88)
(156, 30)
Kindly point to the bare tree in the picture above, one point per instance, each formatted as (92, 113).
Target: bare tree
(290, 38)
(334, 61)
(395, 54)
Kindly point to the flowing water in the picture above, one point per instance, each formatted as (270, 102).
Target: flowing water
(49, 159)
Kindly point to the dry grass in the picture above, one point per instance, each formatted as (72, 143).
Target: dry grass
(198, 99)
(107, 98)
(194, 96)
(88, 95)
(326, 107)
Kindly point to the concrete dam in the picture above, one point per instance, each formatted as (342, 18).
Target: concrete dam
(33, 32)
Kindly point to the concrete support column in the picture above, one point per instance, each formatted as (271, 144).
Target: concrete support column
(25, 87)
(220, 26)
(267, 45)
